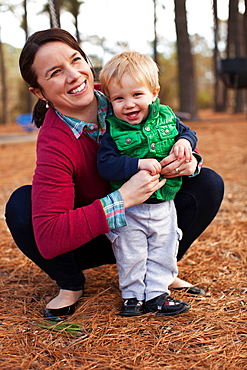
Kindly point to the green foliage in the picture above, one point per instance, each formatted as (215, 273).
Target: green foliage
(205, 99)
(203, 60)
(74, 330)
(168, 81)
(14, 82)
(203, 63)
(72, 6)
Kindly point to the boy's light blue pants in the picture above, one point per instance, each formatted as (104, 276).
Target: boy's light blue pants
(146, 250)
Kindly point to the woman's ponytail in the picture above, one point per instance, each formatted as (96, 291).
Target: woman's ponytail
(39, 112)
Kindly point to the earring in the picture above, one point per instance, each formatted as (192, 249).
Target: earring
(47, 104)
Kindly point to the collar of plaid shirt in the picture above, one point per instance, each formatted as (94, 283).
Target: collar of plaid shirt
(93, 130)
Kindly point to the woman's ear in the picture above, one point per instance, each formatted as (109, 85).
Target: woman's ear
(155, 93)
(36, 91)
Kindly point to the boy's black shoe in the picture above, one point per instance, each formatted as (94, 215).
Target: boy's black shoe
(132, 307)
(166, 305)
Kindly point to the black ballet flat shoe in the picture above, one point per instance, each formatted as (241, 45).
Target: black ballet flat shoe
(59, 314)
(194, 290)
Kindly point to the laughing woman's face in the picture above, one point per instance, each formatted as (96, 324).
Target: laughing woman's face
(65, 78)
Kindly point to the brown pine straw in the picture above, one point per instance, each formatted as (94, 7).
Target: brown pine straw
(212, 335)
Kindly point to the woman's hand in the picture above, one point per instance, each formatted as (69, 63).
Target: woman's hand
(172, 167)
(140, 187)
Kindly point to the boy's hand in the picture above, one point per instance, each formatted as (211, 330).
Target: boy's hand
(182, 149)
(149, 164)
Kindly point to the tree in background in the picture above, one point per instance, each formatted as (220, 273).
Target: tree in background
(24, 26)
(73, 7)
(177, 72)
(53, 9)
(186, 77)
(4, 91)
(236, 45)
(168, 81)
(245, 26)
(203, 62)
(155, 41)
(4, 99)
(220, 90)
(229, 63)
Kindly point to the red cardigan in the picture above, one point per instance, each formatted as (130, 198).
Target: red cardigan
(66, 209)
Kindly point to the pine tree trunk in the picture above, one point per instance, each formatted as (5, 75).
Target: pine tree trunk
(4, 98)
(220, 90)
(236, 46)
(187, 86)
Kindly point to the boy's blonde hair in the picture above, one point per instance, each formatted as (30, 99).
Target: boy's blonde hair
(140, 67)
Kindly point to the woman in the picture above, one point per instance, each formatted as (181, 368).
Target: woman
(72, 207)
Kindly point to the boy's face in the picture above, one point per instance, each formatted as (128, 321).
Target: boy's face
(130, 100)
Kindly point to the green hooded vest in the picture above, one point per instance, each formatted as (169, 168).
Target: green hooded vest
(152, 138)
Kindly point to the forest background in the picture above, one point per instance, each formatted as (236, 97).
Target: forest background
(212, 335)
(189, 61)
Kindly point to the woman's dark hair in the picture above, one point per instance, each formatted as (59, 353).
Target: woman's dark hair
(27, 56)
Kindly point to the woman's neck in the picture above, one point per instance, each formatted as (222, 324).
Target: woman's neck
(89, 114)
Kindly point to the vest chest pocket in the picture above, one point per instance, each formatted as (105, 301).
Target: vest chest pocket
(128, 140)
(167, 132)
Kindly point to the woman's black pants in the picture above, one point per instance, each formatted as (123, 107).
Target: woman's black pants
(197, 203)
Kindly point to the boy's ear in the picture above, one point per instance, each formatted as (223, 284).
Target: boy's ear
(36, 91)
(155, 93)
